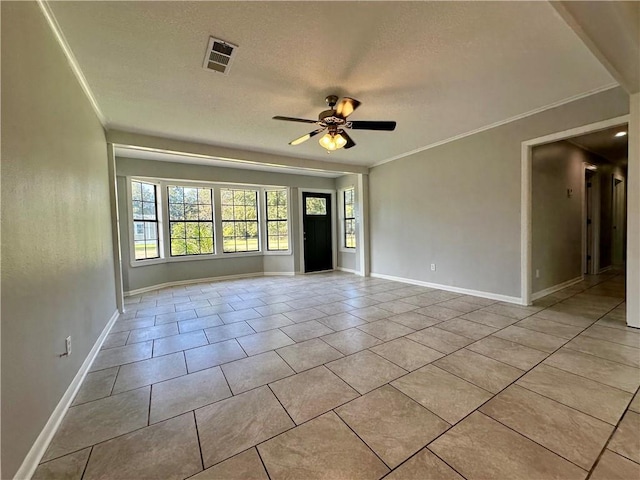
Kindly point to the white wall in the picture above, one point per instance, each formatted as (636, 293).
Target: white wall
(458, 205)
(139, 277)
(633, 215)
(57, 255)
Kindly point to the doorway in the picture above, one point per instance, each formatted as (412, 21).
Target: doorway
(317, 232)
(619, 222)
(589, 250)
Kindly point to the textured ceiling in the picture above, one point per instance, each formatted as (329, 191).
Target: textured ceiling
(440, 69)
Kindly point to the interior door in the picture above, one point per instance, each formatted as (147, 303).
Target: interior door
(316, 221)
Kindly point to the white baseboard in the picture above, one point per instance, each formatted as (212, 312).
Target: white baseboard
(548, 291)
(449, 288)
(279, 274)
(605, 269)
(176, 283)
(347, 270)
(41, 444)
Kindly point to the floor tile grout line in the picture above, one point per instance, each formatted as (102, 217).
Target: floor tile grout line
(283, 407)
(84, 470)
(264, 465)
(568, 347)
(568, 406)
(538, 443)
(195, 422)
(359, 437)
(582, 376)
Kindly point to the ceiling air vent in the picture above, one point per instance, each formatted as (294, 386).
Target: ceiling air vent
(219, 55)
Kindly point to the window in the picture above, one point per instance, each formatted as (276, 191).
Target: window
(190, 221)
(277, 224)
(316, 206)
(239, 221)
(349, 218)
(146, 241)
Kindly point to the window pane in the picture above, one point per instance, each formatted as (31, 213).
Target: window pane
(192, 229)
(148, 192)
(272, 213)
(152, 249)
(140, 252)
(176, 211)
(191, 211)
(178, 246)
(349, 211)
(226, 197)
(136, 191)
(149, 211)
(206, 229)
(272, 198)
(190, 195)
(272, 228)
(206, 245)
(227, 212)
(205, 213)
(283, 228)
(178, 229)
(137, 209)
(316, 206)
(176, 195)
(204, 196)
(238, 213)
(138, 230)
(151, 231)
(193, 246)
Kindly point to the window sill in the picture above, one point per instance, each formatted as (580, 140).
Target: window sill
(347, 250)
(220, 256)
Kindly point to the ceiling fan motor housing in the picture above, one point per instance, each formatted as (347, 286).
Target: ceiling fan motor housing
(329, 117)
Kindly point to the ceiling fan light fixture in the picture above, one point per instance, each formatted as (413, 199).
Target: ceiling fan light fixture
(333, 141)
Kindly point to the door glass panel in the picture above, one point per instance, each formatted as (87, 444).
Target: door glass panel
(316, 206)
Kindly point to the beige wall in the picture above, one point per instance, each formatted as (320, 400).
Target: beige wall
(57, 256)
(458, 205)
(138, 277)
(556, 217)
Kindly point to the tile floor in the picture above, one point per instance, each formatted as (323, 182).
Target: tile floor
(340, 377)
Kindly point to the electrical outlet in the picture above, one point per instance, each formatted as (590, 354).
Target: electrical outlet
(67, 342)
(537, 273)
(433, 267)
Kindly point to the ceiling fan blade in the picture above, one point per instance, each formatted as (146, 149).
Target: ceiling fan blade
(350, 143)
(346, 107)
(293, 119)
(306, 137)
(373, 125)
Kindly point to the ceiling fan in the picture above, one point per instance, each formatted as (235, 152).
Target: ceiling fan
(335, 122)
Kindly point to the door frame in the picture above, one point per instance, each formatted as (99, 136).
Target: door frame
(334, 233)
(526, 194)
(623, 215)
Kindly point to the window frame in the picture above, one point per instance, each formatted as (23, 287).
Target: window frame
(266, 221)
(259, 216)
(163, 220)
(159, 223)
(344, 218)
(166, 186)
